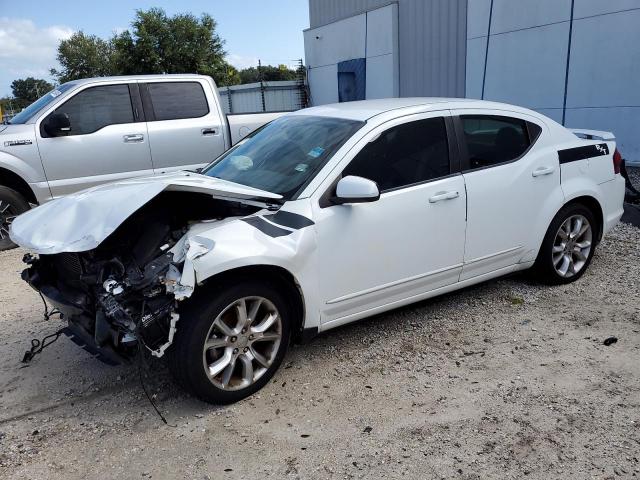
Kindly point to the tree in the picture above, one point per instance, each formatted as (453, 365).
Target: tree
(226, 75)
(83, 56)
(269, 74)
(179, 44)
(156, 43)
(28, 90)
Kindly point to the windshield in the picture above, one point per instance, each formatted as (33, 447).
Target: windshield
(284, 155)
(25, 115)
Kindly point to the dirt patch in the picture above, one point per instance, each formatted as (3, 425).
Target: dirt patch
(501, 380)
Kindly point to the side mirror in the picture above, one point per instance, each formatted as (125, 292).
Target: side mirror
(352, 189)
(57, 124)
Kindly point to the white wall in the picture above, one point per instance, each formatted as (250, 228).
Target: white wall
(372, 35)
(382, 52)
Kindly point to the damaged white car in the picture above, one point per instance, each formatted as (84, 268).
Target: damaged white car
(320, 218)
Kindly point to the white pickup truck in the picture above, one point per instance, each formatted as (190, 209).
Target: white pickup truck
(98, 130)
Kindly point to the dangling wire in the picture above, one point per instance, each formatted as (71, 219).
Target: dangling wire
(48, 313)
(144, 388)
(38, 345)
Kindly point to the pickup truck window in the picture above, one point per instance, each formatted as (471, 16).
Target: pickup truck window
(285, 155)
(27, 114)
(176, 100)
(96, 107)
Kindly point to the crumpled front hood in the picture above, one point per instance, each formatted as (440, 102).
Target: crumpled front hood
(81, 221)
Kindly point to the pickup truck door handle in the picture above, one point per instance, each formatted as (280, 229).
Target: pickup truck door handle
(209, 131)
(542, 171)
(438, 197)
(137, 138)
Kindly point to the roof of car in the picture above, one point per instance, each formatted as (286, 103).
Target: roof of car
(365, 109)
(120, 78)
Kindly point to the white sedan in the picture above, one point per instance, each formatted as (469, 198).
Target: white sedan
(322, 217)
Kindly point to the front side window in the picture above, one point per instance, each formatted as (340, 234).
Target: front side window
(283, 156)
(492, 140)
(96, 107)
(177, 100)
(404, 155)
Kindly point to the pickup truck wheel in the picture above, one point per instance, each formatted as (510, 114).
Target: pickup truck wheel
(568, 246)
(229, 347)
(12, 204)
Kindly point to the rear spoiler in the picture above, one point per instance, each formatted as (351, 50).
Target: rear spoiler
(592, 134)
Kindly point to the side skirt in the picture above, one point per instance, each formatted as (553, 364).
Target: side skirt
(423, 296)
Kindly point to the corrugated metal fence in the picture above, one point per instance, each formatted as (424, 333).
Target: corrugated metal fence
(262, 97)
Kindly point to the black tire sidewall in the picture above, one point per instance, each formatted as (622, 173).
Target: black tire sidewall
(196, 319)
(544, 263)
(19, 205)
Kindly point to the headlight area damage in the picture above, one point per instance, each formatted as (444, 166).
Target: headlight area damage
(124, 293)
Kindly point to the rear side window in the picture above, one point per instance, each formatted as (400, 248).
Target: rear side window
(404, 155)
(96, 107)
(176, 100)
(492, 140)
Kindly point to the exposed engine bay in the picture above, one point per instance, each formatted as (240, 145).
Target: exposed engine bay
(125, 293)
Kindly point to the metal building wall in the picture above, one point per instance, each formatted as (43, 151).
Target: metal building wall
(432, 40)
(592, 85)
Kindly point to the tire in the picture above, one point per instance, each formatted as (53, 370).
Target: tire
(191, 365)
(550, 263)
(12, 204)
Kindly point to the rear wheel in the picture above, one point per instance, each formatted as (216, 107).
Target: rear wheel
(12, 204)
(229, 347)
(568, 246)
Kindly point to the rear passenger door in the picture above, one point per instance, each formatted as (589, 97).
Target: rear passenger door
(512, 178)
(184, 125)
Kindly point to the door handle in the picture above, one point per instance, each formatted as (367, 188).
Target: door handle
(438, 197)
(137, 138)
(208, 131)
(542, 171)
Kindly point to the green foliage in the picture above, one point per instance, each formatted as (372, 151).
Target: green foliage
(157, 43)
(227, 75)
(29, 89)
(178, 44)
(83, 56)
(269, 74)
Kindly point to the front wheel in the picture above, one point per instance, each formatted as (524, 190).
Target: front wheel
(12, 204)
(568, 246)
(229, 347)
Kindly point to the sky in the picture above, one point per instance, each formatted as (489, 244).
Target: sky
(30, 30)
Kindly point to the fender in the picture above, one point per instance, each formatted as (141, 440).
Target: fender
(235, 243)
(582, 186)
(34, 177)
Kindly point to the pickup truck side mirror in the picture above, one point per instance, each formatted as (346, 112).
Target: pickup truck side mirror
(57, 124)
(352, 189)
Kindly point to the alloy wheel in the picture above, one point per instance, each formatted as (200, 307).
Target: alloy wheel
(7, 215)
(572, 246)
(242, 343)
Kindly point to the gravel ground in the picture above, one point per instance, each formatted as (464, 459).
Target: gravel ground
(503, 380)
(634, 176)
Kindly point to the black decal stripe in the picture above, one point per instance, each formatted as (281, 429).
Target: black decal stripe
(266, 227)
(581, 153)
(290, 220)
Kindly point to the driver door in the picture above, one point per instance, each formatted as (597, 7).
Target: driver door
(107, 142)
(373, 256)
